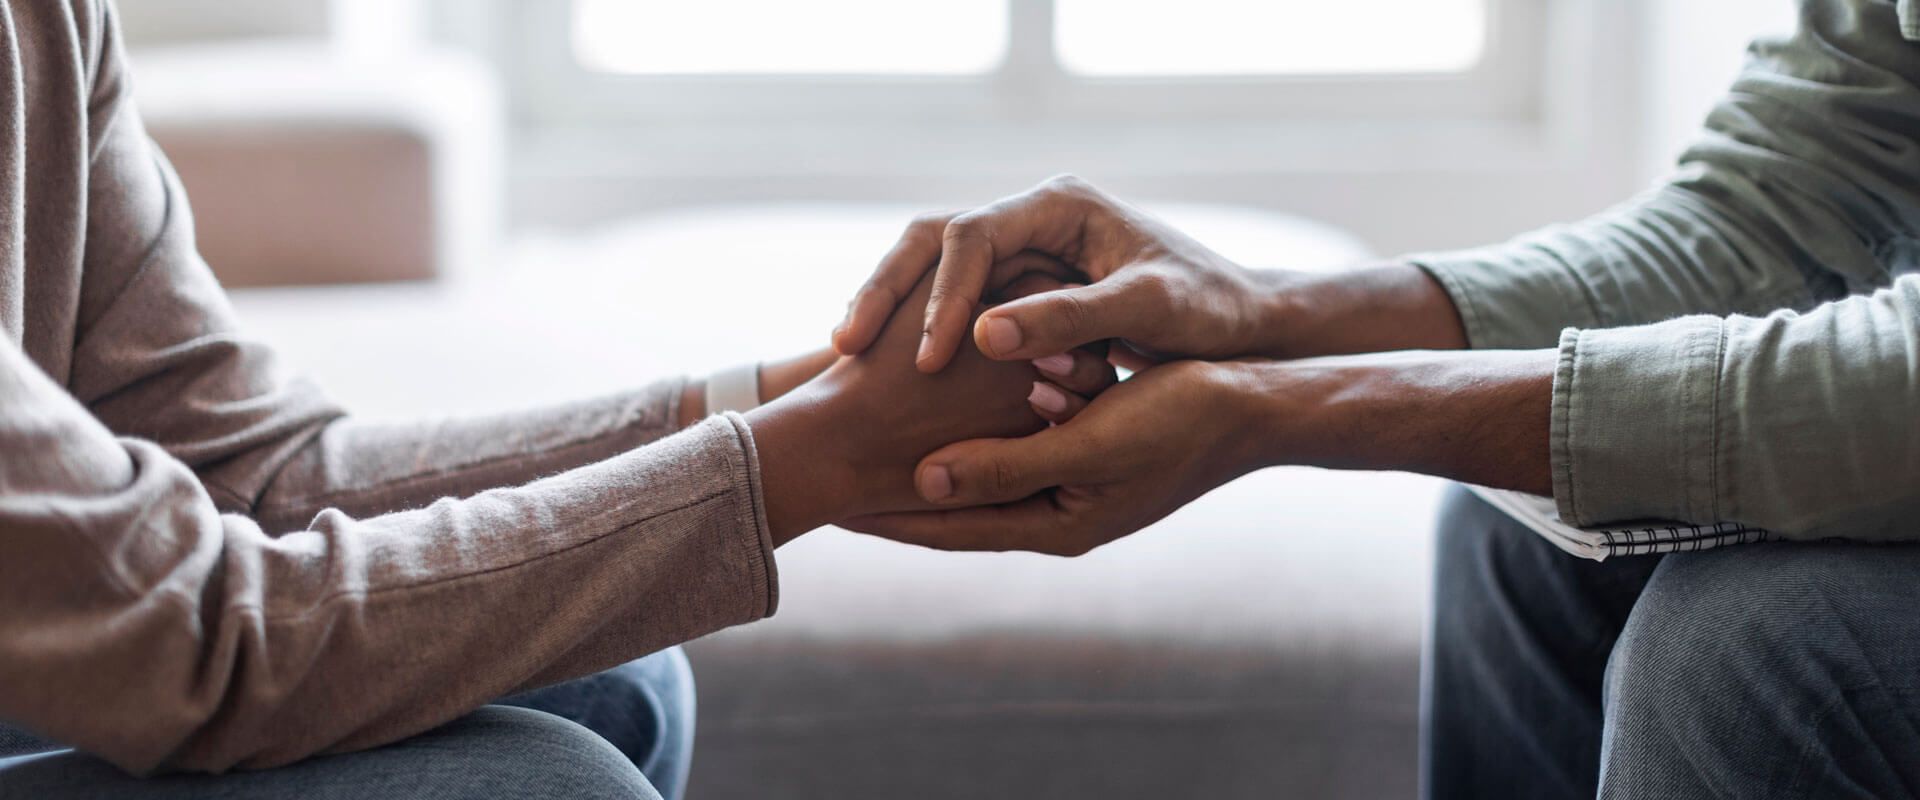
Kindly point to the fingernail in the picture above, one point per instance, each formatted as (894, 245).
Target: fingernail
(1058, 364)
(926, 347)
(1002, 335)
(1048, 398)
(838, 331)
(936, 483)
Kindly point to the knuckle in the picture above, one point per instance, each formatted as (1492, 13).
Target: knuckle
(1067, 184)
(926, 228)
(1160, 296)
(964, 230)
(1071, 315)
(1002, 477)
(1159, 289)
(943, 298)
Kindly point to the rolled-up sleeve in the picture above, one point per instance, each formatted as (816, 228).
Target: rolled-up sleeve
(1807, 425)
(1738, 343)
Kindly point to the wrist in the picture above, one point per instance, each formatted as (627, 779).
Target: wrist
(693, 403)
(1363, 310)
(805, 478)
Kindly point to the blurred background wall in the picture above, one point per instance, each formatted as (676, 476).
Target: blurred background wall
(1594, 99)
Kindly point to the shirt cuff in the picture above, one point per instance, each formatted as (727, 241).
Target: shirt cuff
(1515, 296)
(1634, 421)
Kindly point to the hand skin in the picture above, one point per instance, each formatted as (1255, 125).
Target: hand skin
(1149, 285)
(1175, 431)
(845, 443)
(776, 379)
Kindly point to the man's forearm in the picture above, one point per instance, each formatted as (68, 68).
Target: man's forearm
(1367, 310)
(1482, 417)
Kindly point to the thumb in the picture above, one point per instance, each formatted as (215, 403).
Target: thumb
(1054, 322)
(980, 471)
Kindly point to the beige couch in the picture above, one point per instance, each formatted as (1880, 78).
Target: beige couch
(308, 164)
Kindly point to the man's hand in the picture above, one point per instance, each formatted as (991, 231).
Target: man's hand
(1148, 284)
(1135, 454)
(1177, 430)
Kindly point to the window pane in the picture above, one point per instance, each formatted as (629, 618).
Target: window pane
(1267, 37)
(692, 37)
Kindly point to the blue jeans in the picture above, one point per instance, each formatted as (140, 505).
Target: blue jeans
(623, 734)
(1774, 670)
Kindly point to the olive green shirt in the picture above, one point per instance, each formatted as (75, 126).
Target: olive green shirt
(1741, 344)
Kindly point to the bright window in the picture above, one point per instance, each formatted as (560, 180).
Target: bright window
(1117, 38)
(822, 37)
(1267, 37)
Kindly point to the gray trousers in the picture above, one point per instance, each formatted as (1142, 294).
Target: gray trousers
(1767, 670)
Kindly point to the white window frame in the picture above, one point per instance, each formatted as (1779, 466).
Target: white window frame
(1543, 128)
(1029, 87)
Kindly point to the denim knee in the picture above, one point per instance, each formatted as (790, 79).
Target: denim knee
(644, 708)
(514, 751)
(1737, 666)
(493, 752)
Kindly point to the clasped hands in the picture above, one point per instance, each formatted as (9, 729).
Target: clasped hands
(976, 405)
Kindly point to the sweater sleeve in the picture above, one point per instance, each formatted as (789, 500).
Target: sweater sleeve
(205, 565)
(158, 632)
(159, 356)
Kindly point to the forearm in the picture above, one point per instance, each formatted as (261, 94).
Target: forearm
(1480, 417)
(1368, 310)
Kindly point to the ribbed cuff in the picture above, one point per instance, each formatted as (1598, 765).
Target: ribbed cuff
(758, 553)
(1634, 420)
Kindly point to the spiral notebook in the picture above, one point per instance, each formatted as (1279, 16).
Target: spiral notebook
(1540, 514)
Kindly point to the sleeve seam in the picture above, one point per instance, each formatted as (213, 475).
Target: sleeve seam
(1715, 496)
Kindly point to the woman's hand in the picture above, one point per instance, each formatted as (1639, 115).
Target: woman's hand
(781, 376)
(1145, 447)
(845, 443)
(1148, 284)
(776, 378)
